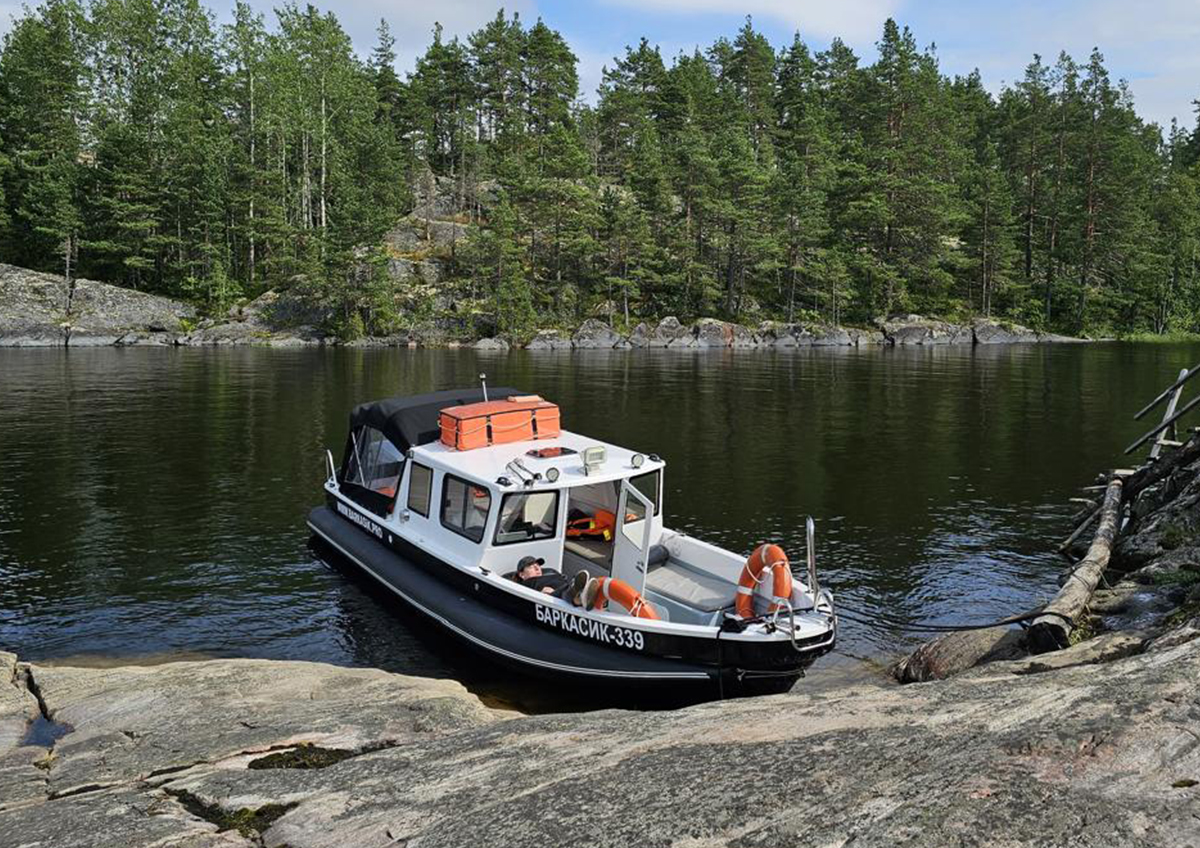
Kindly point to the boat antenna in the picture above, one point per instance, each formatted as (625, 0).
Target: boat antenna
(483, 379)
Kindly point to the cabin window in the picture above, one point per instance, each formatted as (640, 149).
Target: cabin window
(648, 484)
(634, 525)
(526, 517)
(420, 489)
(371, 470)
(465, 507)
(375, 463)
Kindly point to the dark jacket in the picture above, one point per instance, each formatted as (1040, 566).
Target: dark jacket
(556, 580)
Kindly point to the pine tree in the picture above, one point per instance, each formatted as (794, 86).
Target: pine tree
(42, 106)
(751, 73)
(251, 180)
(550, 82)
(630, 93)
(501, 270)
(495, 52)
(802, 183)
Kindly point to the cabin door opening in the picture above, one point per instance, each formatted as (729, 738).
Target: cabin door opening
(591, 527)
(631, 545)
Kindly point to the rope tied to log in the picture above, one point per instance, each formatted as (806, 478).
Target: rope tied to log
(875, 618)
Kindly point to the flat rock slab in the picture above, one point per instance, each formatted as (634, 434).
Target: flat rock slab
(1099, 649)
(21, 780)
(131, 723)
(129, 817)
(1087, 756)
(1091, 755)
(102, 314)
(18, 706)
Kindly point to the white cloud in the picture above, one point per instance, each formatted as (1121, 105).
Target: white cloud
(411, 21)
(855, 21)
(8, 11)
(1150, 44)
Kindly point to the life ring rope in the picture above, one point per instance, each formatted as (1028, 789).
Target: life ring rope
(754, 573)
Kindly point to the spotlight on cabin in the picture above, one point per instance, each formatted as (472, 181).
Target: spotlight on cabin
(552, 475)
(638, 460)
(593, 458)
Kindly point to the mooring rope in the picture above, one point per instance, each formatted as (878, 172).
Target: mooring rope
(869, 618)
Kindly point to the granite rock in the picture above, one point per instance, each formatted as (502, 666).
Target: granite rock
(102, 314)
(916, 330)
(549, 340)
(667, 333)
(492, 344)
(595, 334)
(993, 332)
(1090, 755)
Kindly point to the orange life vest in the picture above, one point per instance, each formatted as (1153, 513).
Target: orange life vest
(598, 526)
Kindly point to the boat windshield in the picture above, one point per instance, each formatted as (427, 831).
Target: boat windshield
(372, 469)
(526, 517)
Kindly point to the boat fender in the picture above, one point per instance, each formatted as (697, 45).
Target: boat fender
(766, 558)
(612, 589)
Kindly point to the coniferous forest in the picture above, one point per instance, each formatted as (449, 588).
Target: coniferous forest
(144, 144)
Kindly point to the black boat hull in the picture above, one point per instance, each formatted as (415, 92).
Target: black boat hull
(523, 635)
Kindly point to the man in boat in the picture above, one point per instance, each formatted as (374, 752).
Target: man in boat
(581, 591)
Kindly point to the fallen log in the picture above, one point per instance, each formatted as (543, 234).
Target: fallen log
(1160, 469)
(947, 655)
(1052, 629)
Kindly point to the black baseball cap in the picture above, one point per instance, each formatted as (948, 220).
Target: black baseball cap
(527, 561)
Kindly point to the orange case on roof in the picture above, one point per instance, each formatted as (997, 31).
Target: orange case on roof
(498, 422)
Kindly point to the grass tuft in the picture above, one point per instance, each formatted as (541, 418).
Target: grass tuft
(305, 756)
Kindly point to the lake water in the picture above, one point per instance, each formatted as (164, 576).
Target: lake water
(152, 501)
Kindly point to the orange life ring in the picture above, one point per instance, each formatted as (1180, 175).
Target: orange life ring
(612, 589)
(765, 558)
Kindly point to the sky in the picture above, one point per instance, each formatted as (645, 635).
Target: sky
(1154, 44)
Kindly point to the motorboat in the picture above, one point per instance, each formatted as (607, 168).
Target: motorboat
(439, 496)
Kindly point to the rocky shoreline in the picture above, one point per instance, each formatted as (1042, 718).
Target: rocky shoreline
(1093, 745)
(1149, 595)
(45, 310)
(260, 752)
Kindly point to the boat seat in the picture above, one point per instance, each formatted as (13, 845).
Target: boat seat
(690, 586)
(597, 553)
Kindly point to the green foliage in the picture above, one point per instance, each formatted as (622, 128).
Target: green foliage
(1181, 577)
(143, 144)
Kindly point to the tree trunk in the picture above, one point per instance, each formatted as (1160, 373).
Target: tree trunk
(1029, 209)
(1051, 631)
(253, 181)
(324, 127)
(1089, 241)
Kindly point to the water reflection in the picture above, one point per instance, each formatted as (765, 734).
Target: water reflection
(154, 500)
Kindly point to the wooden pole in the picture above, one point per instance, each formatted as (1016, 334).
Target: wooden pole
(1052, 630)
(1184, 376)
(1083, 525)
(1168, 433)
(1167, 422)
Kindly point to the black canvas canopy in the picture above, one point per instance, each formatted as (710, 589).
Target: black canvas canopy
(413, 420)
